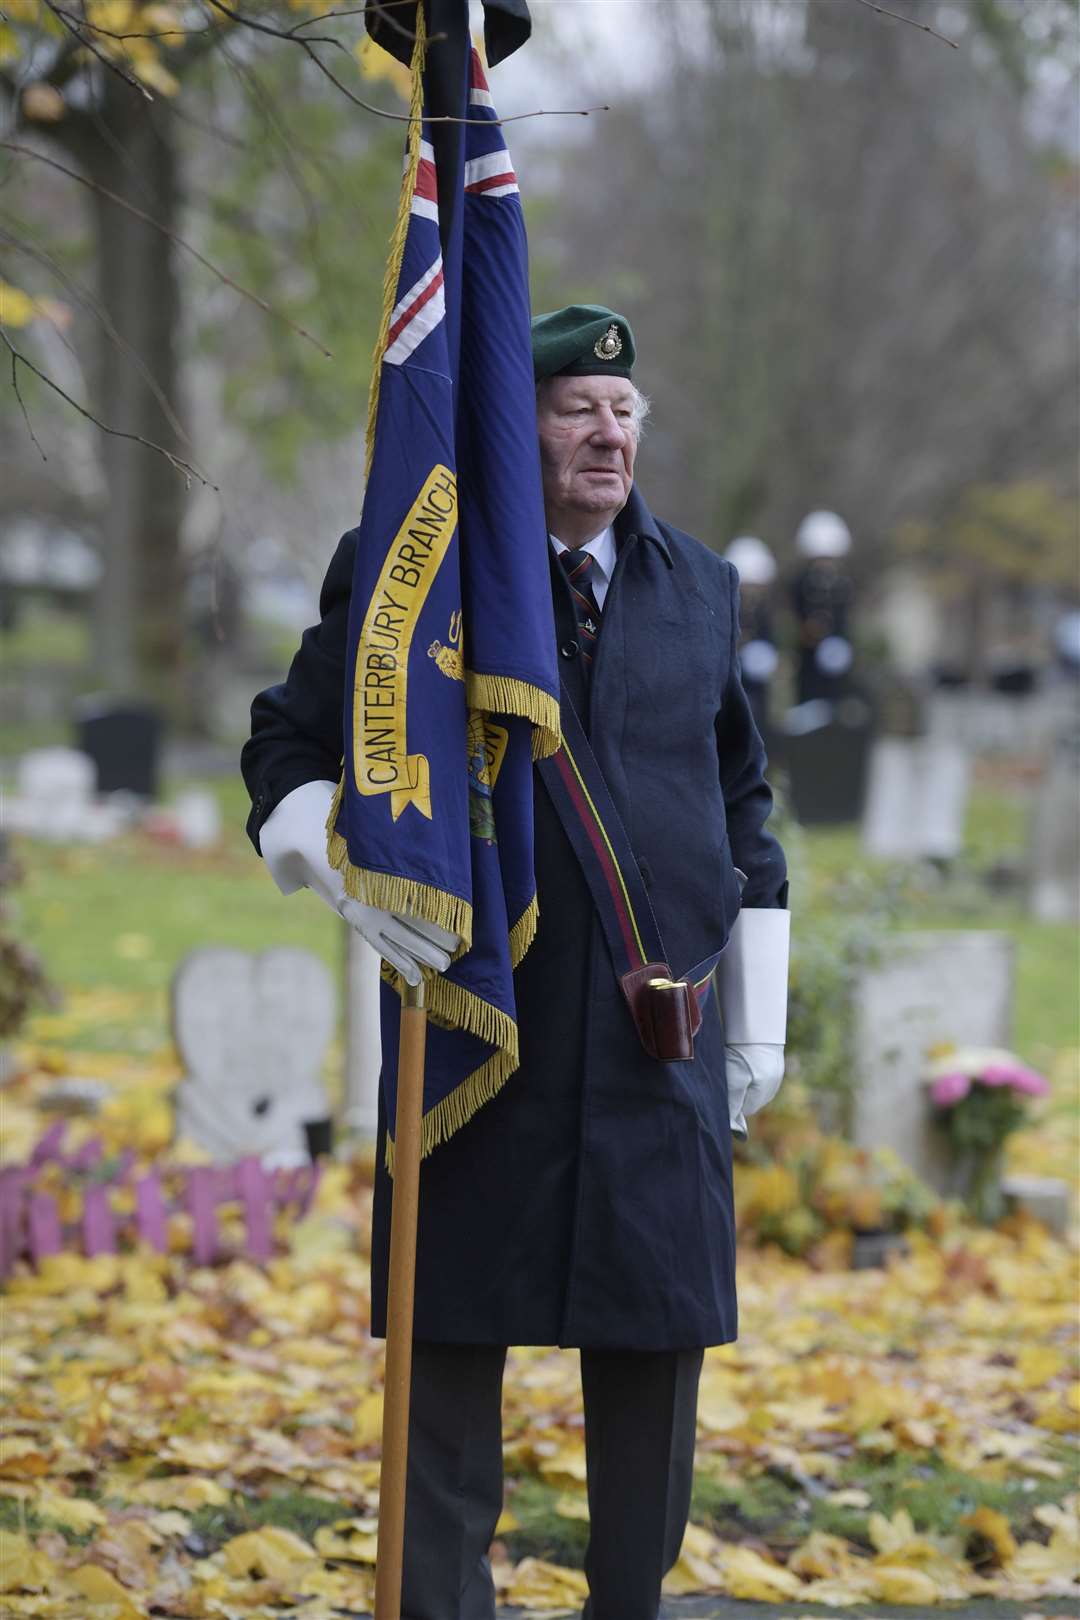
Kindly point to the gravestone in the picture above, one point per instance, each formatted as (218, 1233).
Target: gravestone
(363, 1047)
(252, 1032)
(56, 798)
(1055, 842)
(927, 989)
(916, 799)
(124, 741)
(825, 750)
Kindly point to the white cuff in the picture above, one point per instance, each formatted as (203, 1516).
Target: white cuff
(752, 978)
(289, 835)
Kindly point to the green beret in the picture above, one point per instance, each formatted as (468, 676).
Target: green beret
(582, 340)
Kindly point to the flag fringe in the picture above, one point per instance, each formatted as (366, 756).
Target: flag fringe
(524, 932)
(458, 1008)
(391, 892)
(456, 1110)
(505, 694)
(401, 229)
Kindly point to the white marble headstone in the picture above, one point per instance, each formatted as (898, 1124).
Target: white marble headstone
(927, 989)
(1055, 843)
(252, 1032)
(916, 800)
(56, 798)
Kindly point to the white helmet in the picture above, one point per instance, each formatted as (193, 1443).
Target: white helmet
(752, 560)
(823, 534)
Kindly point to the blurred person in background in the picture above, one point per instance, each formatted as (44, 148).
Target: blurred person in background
(822, 597)
(756, 567)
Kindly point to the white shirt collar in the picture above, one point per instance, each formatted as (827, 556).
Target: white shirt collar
(602, 546)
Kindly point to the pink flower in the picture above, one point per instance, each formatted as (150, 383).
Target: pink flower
(948, 1089)
(1016, 1075)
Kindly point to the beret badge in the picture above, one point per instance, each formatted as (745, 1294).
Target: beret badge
(608, 347)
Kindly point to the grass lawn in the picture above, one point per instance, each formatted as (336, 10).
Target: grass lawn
(121, 918)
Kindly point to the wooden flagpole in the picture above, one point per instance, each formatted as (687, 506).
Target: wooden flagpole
(399, 1304)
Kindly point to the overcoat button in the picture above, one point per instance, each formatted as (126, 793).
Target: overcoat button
(569, 649)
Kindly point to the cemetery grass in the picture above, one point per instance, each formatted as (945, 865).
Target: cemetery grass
(111, 924)
(922, 1486)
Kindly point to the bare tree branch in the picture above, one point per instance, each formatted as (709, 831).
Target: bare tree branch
(20, 245)
(883, 11)
(290, 144)
(15, 357)
(184, 468)
(173, 236)
(307, 46)
(88, 45)
(110, 33)
(379, 6)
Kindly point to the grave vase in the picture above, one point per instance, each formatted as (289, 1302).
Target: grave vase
(979, 1176)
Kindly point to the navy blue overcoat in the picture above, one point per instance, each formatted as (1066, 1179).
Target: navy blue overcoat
(590, 1202)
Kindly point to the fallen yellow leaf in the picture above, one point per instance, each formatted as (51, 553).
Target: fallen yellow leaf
(73, 1512)
(22, 1567)
(540, 1585)
(104, 1591)
(276, 1553)
(354, 1539)
(895, 1583)
(994, 1528)
(367, 1420)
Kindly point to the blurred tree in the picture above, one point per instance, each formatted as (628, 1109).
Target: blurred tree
(996, 539)
(138, 102)
(853, 259)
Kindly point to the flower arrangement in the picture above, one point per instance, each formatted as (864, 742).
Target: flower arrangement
(980, 1097)
(805, 1191)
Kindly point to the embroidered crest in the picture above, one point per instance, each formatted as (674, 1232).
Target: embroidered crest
(608, 347)
(449, 659)
(486, 747)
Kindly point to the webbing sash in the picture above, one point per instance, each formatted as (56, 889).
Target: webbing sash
(583, 802)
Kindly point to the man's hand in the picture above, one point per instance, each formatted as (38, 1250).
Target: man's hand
(754, 1073)
(293, 843)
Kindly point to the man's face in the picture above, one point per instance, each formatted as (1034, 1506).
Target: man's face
(587, 446)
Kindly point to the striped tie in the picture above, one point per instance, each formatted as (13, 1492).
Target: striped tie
(578, 565)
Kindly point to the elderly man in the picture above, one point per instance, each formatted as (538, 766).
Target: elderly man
(589, 1203)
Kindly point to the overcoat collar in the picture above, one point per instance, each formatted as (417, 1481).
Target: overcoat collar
(636, 519)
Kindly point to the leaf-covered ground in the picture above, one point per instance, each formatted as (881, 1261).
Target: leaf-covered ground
(192, 1443)
(204, 1442)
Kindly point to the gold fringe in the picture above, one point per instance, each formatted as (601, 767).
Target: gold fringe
(524, 932)
(401, 230)
(391, 892)
(458, 1108)
(504, 694)
(450, 1004)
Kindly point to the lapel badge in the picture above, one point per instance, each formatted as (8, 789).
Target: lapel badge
(608, 347)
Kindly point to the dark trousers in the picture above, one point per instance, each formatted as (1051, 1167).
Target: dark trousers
(640, 1412)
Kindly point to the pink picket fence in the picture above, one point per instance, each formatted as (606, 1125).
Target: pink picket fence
(31, 1226)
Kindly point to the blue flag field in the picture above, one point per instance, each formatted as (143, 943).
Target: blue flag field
(451, 680)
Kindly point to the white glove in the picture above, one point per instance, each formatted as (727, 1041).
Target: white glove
(754, 1073)
(293, 844)
(751, 984)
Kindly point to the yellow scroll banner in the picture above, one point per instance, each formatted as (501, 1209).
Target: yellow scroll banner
(381, 761)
